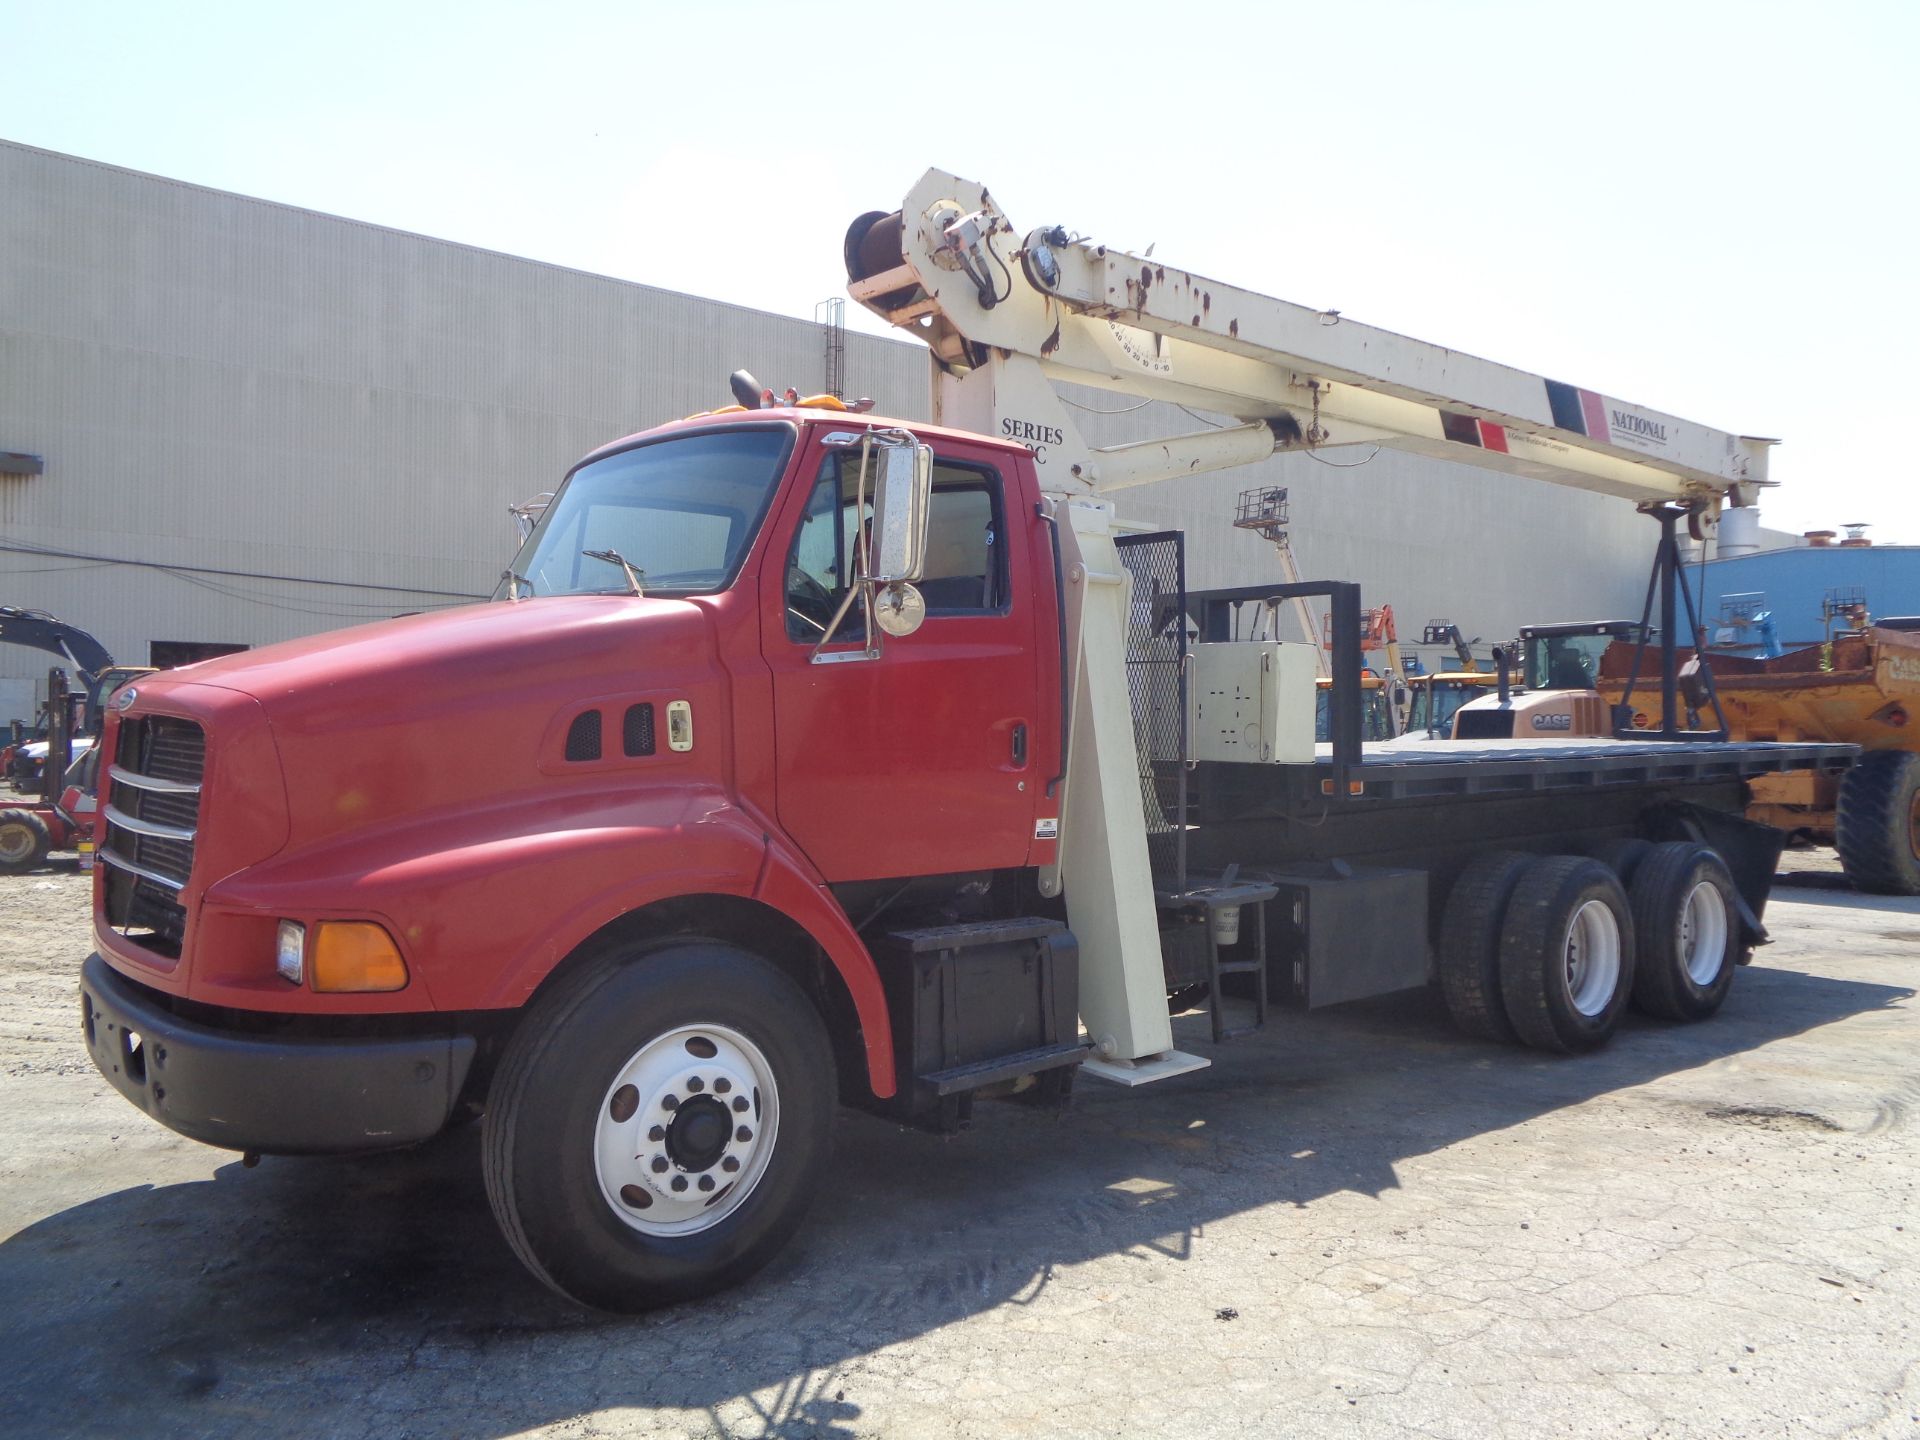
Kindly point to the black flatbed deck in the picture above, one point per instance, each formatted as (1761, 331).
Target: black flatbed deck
(1415, 767)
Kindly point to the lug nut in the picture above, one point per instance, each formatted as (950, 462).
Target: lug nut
(658, 1132)
(740, 1104)
(671, 1103)
(659, 1164)
(730, 1164)
(722, 1085)
(679, 1182)
(696, 1084)
(706, 1182)
(743, 1133)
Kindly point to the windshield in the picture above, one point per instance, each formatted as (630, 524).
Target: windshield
(682, 512)
(1376, 721)
(1435, 701)
(1564, 662)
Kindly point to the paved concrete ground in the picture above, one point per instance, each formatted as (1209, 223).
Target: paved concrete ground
(1355, 1225)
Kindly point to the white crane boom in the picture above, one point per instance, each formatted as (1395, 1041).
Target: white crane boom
(1006, 313)
(1008, 316)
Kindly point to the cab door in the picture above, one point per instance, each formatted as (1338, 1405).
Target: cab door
(921, 760)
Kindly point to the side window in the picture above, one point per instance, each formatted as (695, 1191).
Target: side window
(966, 565)
(820, 566)
(964, 570)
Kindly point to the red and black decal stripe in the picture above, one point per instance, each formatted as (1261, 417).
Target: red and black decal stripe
(1467, 430)
(1581, 411)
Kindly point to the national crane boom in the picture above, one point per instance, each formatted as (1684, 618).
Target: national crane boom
(1006, 314)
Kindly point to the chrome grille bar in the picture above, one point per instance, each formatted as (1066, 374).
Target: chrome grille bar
(152, 782)
(147, 827)
(120, 862)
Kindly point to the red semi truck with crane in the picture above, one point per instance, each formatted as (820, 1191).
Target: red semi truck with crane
(806, 757)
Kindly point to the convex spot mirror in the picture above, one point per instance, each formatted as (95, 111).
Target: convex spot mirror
(899, 609)
(900, 502)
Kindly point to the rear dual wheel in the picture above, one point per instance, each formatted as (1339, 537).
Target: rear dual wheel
(1566, 954)
(1469, 950)
(1537, 949)
(1548, 951)
(1688, 926)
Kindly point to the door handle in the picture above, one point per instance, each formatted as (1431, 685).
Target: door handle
(1020, 745)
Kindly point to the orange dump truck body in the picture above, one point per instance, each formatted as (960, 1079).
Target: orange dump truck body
(1862, 688)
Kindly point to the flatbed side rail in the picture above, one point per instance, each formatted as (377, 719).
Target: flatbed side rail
(1621, 767)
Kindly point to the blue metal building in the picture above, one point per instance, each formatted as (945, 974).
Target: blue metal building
(1802, 584)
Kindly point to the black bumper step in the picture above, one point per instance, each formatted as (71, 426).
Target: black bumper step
(1005, 1067)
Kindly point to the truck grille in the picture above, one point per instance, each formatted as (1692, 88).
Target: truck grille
(150, 818)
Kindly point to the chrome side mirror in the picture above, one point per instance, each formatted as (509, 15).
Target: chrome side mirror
(528, 512)
(900, 503)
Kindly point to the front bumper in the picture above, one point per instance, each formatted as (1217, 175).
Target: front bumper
(282, 1096)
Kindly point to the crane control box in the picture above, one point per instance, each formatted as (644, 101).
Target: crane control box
(1252, 701)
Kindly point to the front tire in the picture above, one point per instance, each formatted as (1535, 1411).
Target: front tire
(24, 841)
(1877, 830)
(659, 1125)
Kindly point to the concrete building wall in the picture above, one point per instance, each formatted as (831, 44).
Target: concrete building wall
(242, 387)
(325, 420)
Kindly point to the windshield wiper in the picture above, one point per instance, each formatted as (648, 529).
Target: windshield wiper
(614, 557)
(514, 581)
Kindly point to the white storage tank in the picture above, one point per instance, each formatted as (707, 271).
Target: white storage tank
(1739, 531)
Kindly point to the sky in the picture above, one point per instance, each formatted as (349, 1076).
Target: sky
(1708, 209)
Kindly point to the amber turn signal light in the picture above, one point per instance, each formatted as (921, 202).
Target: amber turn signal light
(350, 955)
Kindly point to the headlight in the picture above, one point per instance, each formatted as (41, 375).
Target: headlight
(290, 952)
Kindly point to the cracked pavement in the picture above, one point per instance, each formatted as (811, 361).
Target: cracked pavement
(1355, 1224)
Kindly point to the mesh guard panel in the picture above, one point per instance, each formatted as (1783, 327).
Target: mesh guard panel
(1157, 686)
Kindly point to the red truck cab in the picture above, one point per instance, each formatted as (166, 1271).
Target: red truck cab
(607, 865)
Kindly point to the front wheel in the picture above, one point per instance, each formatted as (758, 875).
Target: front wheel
(659, 1124)
(24, 841)
(1877, 830)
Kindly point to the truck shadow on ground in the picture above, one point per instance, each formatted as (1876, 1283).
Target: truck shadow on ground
(375, 1295)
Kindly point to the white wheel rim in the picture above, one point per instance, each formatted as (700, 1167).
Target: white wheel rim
(1592, 951)
(685, 1130)
(1703, 933)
